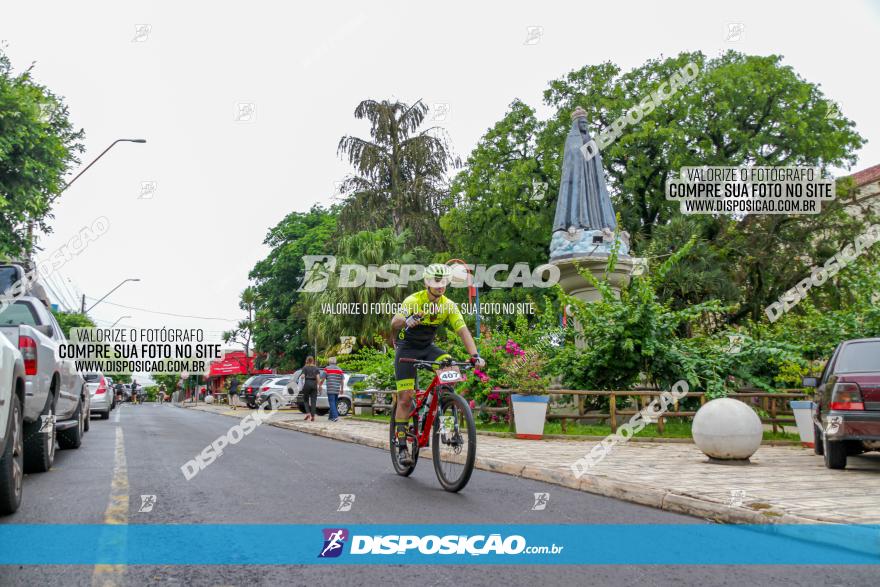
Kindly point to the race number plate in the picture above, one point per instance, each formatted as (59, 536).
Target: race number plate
(450, 375)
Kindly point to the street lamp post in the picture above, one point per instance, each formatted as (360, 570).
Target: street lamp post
(84, 310)
(95, 160)
(30, 226)
(117, 321)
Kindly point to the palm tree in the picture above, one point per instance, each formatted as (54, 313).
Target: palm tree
(369, 249)
(400, 176)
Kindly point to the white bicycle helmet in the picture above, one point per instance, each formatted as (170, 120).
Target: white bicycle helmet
(437, 275)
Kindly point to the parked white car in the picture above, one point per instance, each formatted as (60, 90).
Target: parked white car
(11, 426)
(275, 391)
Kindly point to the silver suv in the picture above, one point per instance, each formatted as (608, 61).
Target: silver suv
(56, 404)
(322, 406)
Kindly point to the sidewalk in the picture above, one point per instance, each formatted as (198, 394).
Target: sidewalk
(781, 485)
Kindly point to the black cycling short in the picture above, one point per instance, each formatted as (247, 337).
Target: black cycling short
(405, 373)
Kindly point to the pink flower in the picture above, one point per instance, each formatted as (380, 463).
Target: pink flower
(481, 376)
(472, 404)
(493, 396)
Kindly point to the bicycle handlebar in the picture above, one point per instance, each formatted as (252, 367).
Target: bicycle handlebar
(423, 363)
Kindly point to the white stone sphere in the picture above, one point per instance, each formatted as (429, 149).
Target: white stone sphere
(209, 399)
(727, 429)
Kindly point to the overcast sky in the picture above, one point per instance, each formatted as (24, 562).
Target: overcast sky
(220, 183)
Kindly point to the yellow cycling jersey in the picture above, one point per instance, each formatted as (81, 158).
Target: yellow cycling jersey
(441, 311)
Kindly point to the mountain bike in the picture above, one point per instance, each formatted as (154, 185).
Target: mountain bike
(441, 416)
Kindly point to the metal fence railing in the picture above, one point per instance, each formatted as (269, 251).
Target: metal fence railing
(774, 405)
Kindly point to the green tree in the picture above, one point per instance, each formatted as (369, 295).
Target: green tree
(243, 332)
(740, 110)
(502, 204)
(280, 332)
(369, 249)
(400, 178)
(38, 144)
(169, 380)
(68, 320)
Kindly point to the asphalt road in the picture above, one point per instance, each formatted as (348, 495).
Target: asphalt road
(279, 476)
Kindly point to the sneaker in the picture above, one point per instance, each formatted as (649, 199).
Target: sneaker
(403, 457)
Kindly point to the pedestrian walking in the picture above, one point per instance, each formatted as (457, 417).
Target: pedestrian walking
(311, 379)
(233, 393)
(335, 378)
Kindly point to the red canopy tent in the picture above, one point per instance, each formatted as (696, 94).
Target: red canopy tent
(233, 363)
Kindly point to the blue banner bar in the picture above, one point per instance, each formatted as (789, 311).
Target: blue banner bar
(611, 544)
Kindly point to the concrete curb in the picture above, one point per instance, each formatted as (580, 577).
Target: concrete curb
(692, 505)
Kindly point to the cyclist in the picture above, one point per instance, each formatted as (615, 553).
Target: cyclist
(413, 330)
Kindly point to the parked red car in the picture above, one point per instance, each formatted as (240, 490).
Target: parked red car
(847, 412)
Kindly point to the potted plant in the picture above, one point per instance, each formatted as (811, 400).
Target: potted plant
(522, 373)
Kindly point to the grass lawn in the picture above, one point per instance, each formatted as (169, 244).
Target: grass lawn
(673, 428)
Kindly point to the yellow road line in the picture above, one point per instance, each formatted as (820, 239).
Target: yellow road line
(116, 513)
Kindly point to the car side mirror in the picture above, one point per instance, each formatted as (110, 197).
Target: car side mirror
(46, 329)
(810, 382)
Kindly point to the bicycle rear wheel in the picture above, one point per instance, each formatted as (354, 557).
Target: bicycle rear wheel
(455, 441)
(411, 441)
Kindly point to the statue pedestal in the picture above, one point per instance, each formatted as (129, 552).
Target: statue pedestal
(575, 285)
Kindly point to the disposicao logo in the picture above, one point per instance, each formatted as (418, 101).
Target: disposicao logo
(334, 540)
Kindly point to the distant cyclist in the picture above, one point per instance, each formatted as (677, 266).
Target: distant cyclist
(134, 391)
(414, 330)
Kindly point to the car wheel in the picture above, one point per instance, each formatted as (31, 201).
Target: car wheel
(274, 402)
(105, 415)
(39, 441)
(72, 437)
(88, 418)
(818, 447)
(343, 406)
(835, 454)
(12, 461)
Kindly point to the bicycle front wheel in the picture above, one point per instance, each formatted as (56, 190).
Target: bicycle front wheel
(454, 441)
